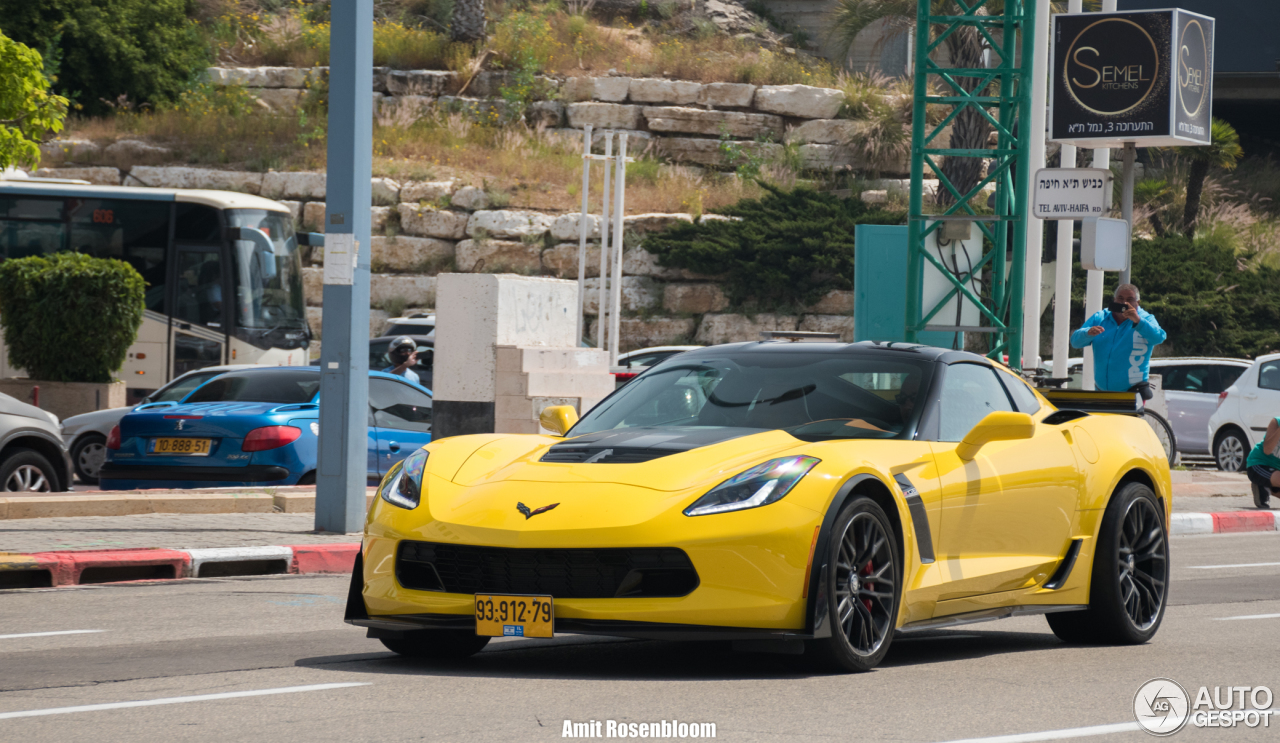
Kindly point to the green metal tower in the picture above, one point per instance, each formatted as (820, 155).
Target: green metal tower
(1002, 96)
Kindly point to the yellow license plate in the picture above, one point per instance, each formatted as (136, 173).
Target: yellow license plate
(514, 616)
(188, 447)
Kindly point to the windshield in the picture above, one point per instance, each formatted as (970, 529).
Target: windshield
(179, 388)
(281, 387)
(812, 396)
(268, 285)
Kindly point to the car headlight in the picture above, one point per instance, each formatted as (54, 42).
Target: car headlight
(758, 486)
(403, 487)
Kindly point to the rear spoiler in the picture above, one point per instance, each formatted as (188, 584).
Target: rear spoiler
(1093, 401)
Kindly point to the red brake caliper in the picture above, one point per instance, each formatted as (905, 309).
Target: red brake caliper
(866, 570)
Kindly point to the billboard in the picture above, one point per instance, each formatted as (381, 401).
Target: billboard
(1144, 77)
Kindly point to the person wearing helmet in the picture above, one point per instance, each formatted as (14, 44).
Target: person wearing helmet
(403, 353)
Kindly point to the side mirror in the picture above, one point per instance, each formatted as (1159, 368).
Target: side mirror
(558, 419)
(1001, 425)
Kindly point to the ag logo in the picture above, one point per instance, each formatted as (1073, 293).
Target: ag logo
(1112, 66)
(1193, 66)
(1161, 706)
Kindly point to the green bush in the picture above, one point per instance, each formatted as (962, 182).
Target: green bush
(69, 317)
(788, 249)
(147, 50)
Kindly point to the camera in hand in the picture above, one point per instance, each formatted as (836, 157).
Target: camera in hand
(1118, 307)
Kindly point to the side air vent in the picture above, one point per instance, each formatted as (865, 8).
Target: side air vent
(601, 455)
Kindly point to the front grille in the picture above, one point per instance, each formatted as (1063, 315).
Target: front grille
(602, 454)
(561, 573)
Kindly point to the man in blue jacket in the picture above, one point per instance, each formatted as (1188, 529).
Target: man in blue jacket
(1123, 338)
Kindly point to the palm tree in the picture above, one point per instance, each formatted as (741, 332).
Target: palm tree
(468, 21)
(1223, 151)
(1155, 195)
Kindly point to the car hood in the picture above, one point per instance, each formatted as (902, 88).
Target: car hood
(96, 419)
(13, 406)
(661, 459)
(212, 418)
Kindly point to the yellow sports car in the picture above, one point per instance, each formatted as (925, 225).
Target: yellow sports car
(791, 497)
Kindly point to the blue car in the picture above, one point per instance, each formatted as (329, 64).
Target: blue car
(257, 427)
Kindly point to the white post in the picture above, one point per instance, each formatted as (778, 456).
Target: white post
(602, 311)
(1062, 279)
(616, 319)
(1093, 279)
(582, 233)
(1035, 160)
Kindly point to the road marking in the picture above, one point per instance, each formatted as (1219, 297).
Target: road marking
(175, 700)
(50, 634)
(1249, 616)
(1241, 565)
(1120, 727)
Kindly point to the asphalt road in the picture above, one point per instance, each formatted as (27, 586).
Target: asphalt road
(250, 644)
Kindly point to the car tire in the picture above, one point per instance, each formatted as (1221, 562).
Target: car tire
(1231, 450)
(436, 644)
(862, 614)
(27, 471)
(307, 479)
(1129, 586)
(87, 456)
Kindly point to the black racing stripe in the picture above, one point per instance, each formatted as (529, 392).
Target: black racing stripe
(919, 518)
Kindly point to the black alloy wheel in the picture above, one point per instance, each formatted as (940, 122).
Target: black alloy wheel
(1130, 582)
(864, 586)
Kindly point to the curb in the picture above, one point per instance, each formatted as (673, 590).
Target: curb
(83, 567)
(1229, 522)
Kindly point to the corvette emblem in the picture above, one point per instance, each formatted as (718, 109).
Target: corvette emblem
(522, 508)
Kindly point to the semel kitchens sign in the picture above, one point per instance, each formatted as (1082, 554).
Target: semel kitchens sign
(1144, 77)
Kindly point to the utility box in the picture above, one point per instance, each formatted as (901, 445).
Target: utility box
(1144, 77)
(880, 288)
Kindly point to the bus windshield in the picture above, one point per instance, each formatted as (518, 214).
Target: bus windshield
(268, 285)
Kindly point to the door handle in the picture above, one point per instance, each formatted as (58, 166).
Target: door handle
(394, 446)
(1250, 397)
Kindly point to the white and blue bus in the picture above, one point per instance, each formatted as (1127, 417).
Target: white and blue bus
(223, 270)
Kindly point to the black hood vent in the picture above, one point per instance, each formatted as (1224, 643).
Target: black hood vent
(636, 445)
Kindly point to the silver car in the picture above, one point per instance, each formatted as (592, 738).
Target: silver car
(86, 435)
(1192, 386)
(32, 457)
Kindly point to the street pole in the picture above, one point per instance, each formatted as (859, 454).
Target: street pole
(602, 309)
(1126, 206)
(344, 359)
(1062, 278)
(582, 233)
(1093, 279)
(1035, 133)
(620, 191)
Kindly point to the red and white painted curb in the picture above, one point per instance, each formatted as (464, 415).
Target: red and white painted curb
(1228, 522)
(78, 567)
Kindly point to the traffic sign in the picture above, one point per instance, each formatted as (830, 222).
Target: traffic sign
(1071, 193)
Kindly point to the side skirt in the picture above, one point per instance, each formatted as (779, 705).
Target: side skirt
(988, 615)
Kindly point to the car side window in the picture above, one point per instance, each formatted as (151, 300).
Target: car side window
(1269, 375)
(1172, 378)
(1022, 395)
(969, 393)
(1227, 376)
(399, 406)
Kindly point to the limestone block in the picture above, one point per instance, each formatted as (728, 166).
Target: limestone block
(717, 218)
(545, 113)
(215, 75)
(417, 291)
(470, 198)
(295, 210)
(313, 216)
(634, 332)
(824, 131)
(483, 110)
(733, 328)
(402, 253)
(134, 150)
(302, 186)
(801, 101)
(507, 224)
(826, 156)
(278, 99)
(640, 262)
(578, 89)
(69, 149)
(638, 293)
(315, 319)
(489, 83)
(96, 176)
(875, 196)
(385, 192)
(708, 152)
(604, 116)
(715, 123)
(498, 256)
(404, 109)
(842, 324)
(636, 140)
(902, 186)
(430, 191)
(696, 299)
(378, 216)
(222, 180)
(379, 77)
(281, 77)
(835, 302)
(525, 359)
(568, 227)
(726, 95)
(656, 90)
(427, 221)
(611, 89)
(313, 285)
(378, 322)
(420, 82)
(563, 260)
(643, 224)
